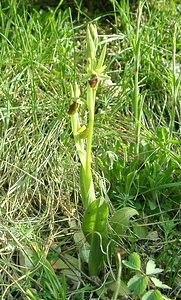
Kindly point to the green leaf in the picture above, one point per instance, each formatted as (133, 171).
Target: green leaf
(162, 134)
(158, 283)
(112, 286)
(31, 295)
(129, 180)
(96, 255)
(95, 219)
(151, 268)
(138, 284)
(133, 262)
(152, 295)
(120, 219)
(152, 236)
(94, 226)
(152, 204)
(140, 230)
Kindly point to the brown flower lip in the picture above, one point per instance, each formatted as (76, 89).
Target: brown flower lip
(93, 81)
(73, 108)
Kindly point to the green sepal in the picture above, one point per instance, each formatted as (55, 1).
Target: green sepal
(102, 57)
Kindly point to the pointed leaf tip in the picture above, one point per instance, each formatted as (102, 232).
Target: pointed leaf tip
(133, 262)
(151, 268)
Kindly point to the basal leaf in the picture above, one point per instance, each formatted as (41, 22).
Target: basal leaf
(158, 283)
(120, 219)
(94, 226)
(140, 231)
(152, 295)
(138, 284)
(123, 289)
(151, 268)
(133, 262)
(95, 220)
(96, 255)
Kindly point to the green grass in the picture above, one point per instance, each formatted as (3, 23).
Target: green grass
(42, 52)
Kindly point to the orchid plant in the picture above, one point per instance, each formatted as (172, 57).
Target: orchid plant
(95, 220)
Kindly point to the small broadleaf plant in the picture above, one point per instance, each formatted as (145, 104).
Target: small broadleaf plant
(144, 284)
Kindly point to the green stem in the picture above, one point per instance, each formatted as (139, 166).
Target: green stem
(91, 94)
(174, 85)
(136, 96)
(91, 100)
(118, 281)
